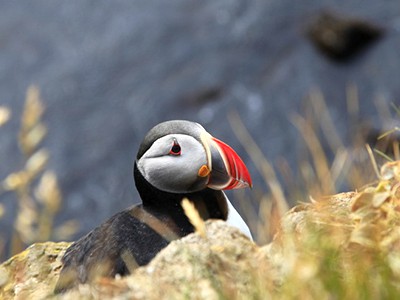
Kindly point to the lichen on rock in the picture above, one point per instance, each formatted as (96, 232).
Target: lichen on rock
(32, 274)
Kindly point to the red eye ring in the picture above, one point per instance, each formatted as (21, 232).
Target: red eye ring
(175, 149)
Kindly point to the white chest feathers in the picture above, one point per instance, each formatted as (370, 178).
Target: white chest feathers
(235, 220)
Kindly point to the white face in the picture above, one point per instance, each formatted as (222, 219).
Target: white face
(173, 162)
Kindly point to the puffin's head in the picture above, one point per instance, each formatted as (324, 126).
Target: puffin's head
(182, 157)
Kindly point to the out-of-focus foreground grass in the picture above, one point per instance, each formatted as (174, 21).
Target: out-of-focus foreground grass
(34, 186)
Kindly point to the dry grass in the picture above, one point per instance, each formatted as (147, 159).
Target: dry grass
(194, 217)
(326, 167)
(345, 247)
(340, 252)
(36, 188)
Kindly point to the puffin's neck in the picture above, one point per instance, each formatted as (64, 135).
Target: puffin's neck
(211, 204)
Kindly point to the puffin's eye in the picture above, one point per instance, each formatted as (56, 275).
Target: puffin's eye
(175, 149)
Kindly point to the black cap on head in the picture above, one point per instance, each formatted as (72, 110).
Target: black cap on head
(169, 127)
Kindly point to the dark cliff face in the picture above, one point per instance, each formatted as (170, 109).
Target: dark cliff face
(109, 71)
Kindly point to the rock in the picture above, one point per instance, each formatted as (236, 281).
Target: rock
(345, 244)
(221, 265)
(32, 274)
(340, 38)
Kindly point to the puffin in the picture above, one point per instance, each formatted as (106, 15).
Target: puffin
(177, 159)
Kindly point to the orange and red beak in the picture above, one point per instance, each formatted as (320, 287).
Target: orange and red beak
(227, 170)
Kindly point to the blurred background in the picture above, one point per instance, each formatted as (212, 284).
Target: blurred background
(309, 82)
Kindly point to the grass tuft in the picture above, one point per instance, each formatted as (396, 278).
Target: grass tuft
(194, 217)
(36, 188)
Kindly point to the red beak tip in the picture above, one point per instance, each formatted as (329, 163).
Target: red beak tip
(240, 177)
(249, 185)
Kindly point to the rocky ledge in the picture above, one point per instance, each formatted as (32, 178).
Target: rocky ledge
(340, 246)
